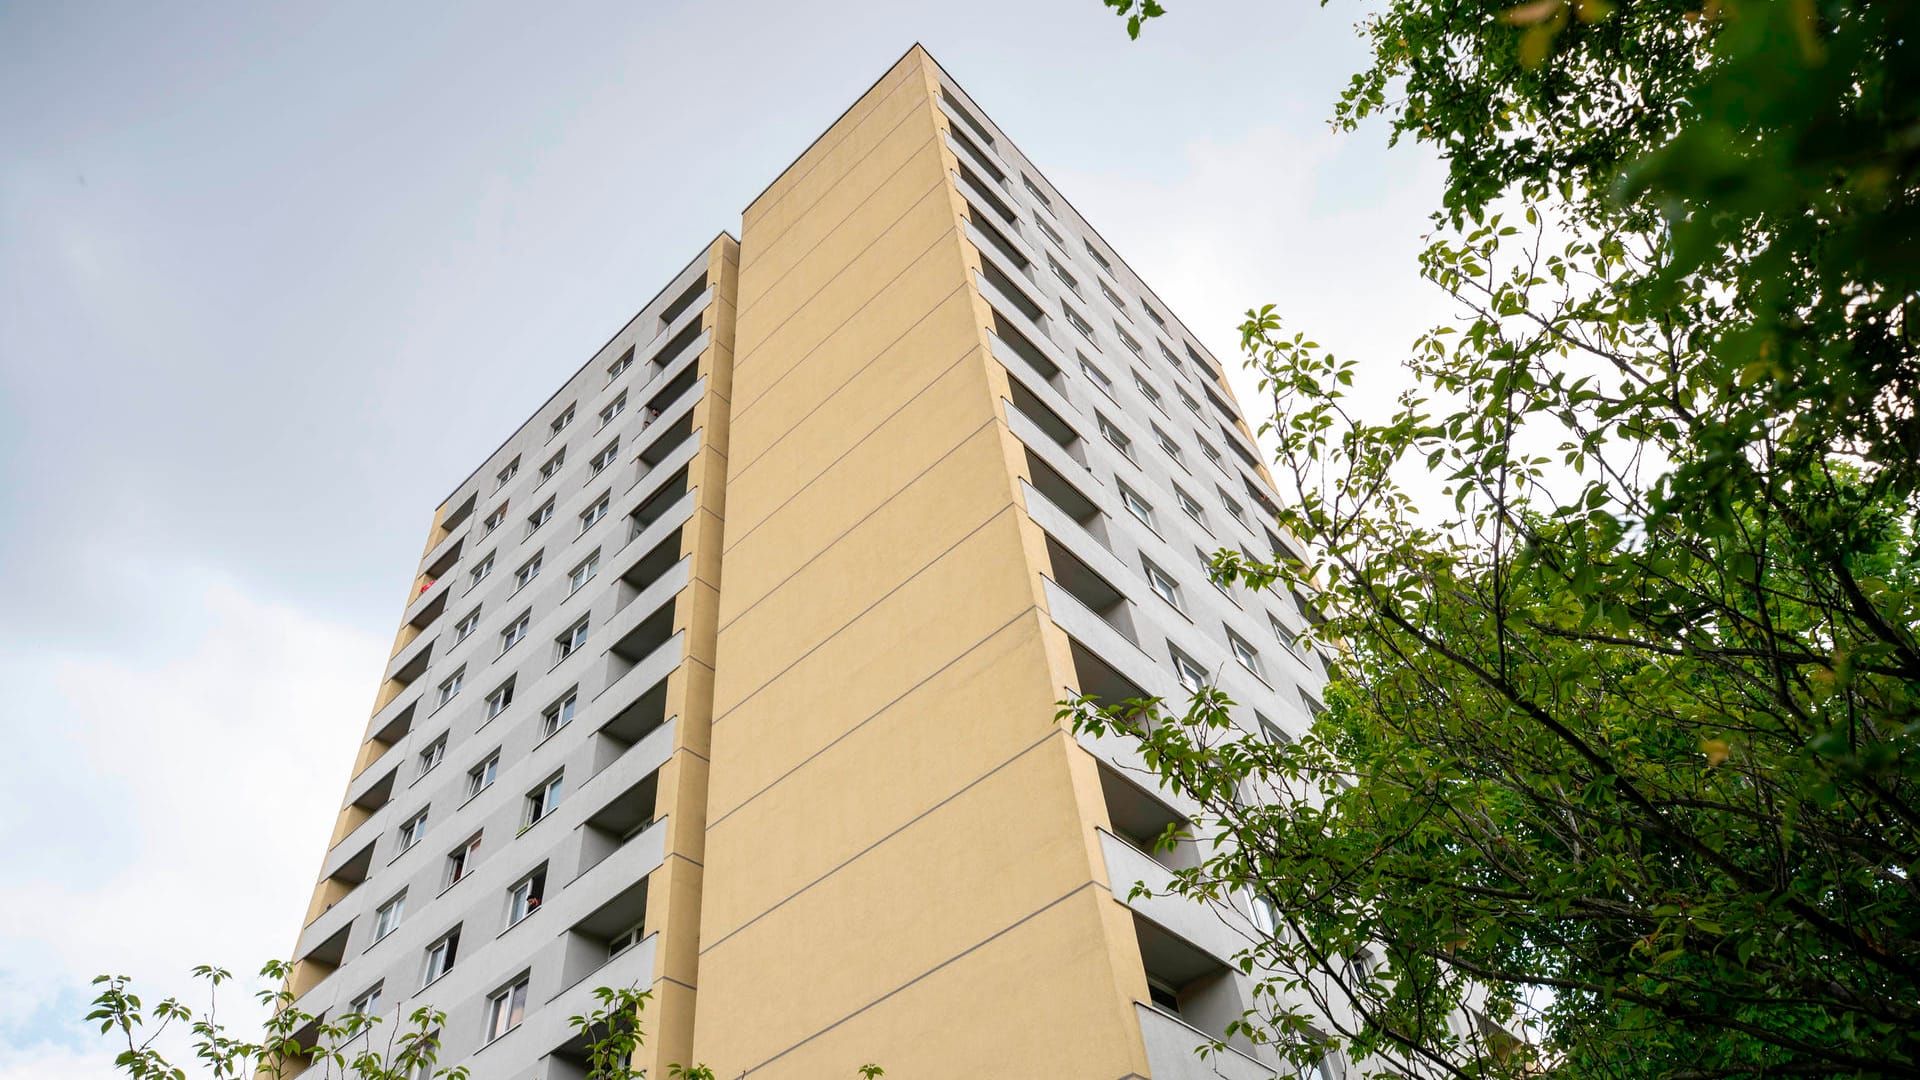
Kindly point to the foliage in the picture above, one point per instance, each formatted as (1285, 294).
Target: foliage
(348, 1048)
(1623, 742)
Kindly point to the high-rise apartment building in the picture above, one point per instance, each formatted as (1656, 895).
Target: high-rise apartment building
(733, 673)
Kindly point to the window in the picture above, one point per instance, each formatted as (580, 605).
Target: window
(625, 939)
(1127, 339)
(523, 899)
(1058, 240)
(493, 520)
(1168, 353)
(560, 422)
(1080, 324)
(558, 715)
(1265, 916)
(499, 700)
(1314, 705)
(506, 1008)
(1097, 257)
(1187, 504)
(452, 686)
(595, 512)
(542, 800)
(1167, 445)
(553, 464)
(1281, 633)
(482, 776)
(1203, 365)
(1244, 653)
(465, 627)
(431, 756)
(540, 517)
(412, 830)
(1187, 400)
(386, 918)
(1163, 995)
(1112, 297)
(1148, 392)
(604, 458)
(528, 571)
(1206, 568)
(1155, 316)
(461, 860)
(570, 642)
(440, 956)
(504, 475)
(1115, 436)
(511, 636)
(580, 575)
(1213, 455)
(1165, 586)
(1039, 196)
(1233, 508)
(1273, 732)
(613, 409)
(620, 366)
(1066, 278)
(1137, 506)
(480, 570)
(1099, 377)
(1190, 674)
(366, 1004)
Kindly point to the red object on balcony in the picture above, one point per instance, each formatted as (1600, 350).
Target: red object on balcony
(428, 584)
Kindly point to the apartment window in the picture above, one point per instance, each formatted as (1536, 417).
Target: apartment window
(1191, 676)
(580, 575)
(1187, 504)
(1099, 377)
(543, 800)
(1066, 278)
(440, 956)
(1265, 916)
(513, 635)
(504, 475)
(1058, 240)
(595, 512)
(1112, 297)
(493, 520)
(482, 776)
(1038, 195)
(1167, 445)
(1206, 568)
(1080, 324)
(626, 939)
(1115, 436)
(465, 627)
(1165, 586)
(1198, 362)
(452, 686)
(1244, 653)
(1314, 705)
(540, 517)
(613, 409)
(462, 860)
(553, 464)
(1213, 455)
(1168, 353)
(571, 641)
(386, 918)
(1154, 315)
(1097, 257)
(1273, 732)
(432, 755)
(528, 571)
(1187, 400)
(604, 458)
(367, 1004)
(560, 422)
(480, 570)
(523, 899)
(1127, 339)
(1281, 633)
(560, 714)
(619, 367)
(502, 698)
(506, 1008)
(1233, 508)
(412, 830)
(1137, 506)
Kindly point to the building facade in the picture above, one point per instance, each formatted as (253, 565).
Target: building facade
(732, 675)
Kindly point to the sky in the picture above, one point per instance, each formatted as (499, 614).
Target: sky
(275, 277)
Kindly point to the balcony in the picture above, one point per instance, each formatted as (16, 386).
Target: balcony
(637, 714)
(656, 503)
(1090, 588)
(1173, 1051)
(1062, 509)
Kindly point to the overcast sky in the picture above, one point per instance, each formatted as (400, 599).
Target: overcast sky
(274, 279)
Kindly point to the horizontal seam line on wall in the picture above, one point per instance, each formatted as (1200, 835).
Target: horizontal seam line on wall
(844, 454)
(956, 958)
(827, 149)
(848, 381)
(870, 717)
(844, 533)
(863, 612)
(742, 362)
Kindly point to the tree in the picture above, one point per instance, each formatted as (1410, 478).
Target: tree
(348, 1048)
(1623, 737)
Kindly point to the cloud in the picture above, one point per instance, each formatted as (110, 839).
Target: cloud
(172, 807)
